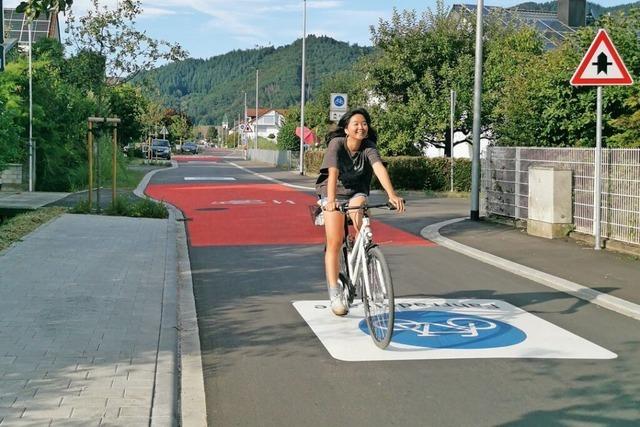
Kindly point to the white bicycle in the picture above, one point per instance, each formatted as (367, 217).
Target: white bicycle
(365, 272)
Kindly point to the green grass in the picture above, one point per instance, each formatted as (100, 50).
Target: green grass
(15, 228)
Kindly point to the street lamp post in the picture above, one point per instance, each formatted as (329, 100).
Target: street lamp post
(31, 148)
(304, 37)
(477, 99)
(256, 122)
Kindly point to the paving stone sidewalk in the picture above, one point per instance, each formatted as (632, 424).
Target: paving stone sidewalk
(88, 324)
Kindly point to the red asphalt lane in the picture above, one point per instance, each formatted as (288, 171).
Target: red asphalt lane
(256, 214)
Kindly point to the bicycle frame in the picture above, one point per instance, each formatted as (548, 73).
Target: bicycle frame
(356, 260)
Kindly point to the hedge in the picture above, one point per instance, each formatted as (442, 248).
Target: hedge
(414, 173)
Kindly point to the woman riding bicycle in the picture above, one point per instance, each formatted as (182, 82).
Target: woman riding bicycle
(345, 176)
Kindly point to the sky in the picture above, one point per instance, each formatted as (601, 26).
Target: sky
(207, 28)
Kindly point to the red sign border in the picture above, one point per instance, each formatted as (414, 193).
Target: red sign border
(601, 37)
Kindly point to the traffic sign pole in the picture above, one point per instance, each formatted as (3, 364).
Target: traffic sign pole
(601, 66)
(597, 184)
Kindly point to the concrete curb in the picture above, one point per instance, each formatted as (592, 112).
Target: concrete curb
(609, 302)
(165, 390)
(191, 395)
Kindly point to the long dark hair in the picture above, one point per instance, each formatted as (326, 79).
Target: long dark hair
(372, 135)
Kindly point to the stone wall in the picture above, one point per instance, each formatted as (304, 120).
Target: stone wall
(11, 178)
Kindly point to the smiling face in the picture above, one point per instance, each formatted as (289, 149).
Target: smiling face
(357, 128)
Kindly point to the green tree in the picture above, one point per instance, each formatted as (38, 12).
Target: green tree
(212, 133)
(180, 128)
(541, 108)
(127, 103)
(287, 138)
(34, 8)
(420, 60)
(111, 34)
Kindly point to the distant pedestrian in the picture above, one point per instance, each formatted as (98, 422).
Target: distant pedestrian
(349, 163)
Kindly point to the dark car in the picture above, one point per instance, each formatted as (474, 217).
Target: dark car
(161, 148)
(189, 147)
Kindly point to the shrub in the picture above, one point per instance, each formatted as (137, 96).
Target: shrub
(147, 208)
(313, 161)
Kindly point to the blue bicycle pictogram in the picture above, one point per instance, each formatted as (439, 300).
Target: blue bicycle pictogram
(338, 101)
(442, 329)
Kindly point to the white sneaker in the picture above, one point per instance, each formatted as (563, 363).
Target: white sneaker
(338, 306)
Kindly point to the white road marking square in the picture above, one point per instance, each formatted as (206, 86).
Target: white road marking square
(430, 328)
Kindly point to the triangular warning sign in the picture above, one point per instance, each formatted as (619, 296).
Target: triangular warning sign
(602, 65)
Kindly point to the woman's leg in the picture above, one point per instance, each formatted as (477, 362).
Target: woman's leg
(334, 230)
(356, 215)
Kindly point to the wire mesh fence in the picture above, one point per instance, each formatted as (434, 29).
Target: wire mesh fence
(505, 182)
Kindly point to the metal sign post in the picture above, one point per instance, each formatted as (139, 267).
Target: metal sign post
(601, 66)
(2, 55)
(453, 113)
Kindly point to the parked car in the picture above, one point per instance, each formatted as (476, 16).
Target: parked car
(189, 147)
(161, 148)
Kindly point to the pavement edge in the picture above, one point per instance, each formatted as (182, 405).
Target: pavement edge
(626, 308)
(191, 395)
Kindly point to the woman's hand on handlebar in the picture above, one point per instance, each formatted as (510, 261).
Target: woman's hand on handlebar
(330, 206)
(397, 202)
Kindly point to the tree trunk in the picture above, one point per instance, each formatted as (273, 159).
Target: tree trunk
(447, 142)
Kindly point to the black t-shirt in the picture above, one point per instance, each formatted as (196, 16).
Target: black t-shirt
(354, 171)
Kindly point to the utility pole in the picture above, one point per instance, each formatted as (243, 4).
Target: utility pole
(256, 122)
(453, 131)
(477, 102)
(2, 55)
(304, 37)
(31, 147)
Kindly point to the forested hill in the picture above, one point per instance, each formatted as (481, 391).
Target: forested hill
(208, 89)
(595, 8)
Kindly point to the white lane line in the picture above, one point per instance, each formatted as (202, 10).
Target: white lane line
(209, 178)
(627, 308)
(268, 178)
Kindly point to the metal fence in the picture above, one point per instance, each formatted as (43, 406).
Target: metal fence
(505, 175)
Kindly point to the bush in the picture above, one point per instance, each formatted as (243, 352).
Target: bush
(124, 206)
(147, 208)
(313, 161)
(413, 173)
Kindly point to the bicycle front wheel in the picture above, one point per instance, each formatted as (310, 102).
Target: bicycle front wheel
(379, 305)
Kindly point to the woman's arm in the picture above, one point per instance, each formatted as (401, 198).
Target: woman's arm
(383, 177)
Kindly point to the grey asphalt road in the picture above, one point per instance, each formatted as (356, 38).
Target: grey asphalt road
(264, 366)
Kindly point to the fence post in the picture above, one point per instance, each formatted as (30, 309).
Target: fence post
(517, 189)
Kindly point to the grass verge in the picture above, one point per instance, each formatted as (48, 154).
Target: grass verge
(14, 229)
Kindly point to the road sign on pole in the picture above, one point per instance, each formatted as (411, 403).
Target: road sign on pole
(338, 106)
(601, 66)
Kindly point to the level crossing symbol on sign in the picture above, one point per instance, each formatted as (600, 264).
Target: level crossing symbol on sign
(602, 65)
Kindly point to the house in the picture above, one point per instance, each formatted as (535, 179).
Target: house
(16, 27)
(269, 121)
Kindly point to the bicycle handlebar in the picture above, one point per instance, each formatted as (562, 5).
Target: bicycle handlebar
(344, 207)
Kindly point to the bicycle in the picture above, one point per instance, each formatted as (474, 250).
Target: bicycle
(364, 270)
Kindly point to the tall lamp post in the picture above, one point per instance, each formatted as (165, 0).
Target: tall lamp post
(256, 122)
(477, 98)
(304, 37)
(2, 56)
(31, 147)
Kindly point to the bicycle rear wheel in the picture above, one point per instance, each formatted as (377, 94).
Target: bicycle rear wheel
(379, 305)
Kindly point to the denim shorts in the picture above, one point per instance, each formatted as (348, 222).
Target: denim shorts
(323, 201)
